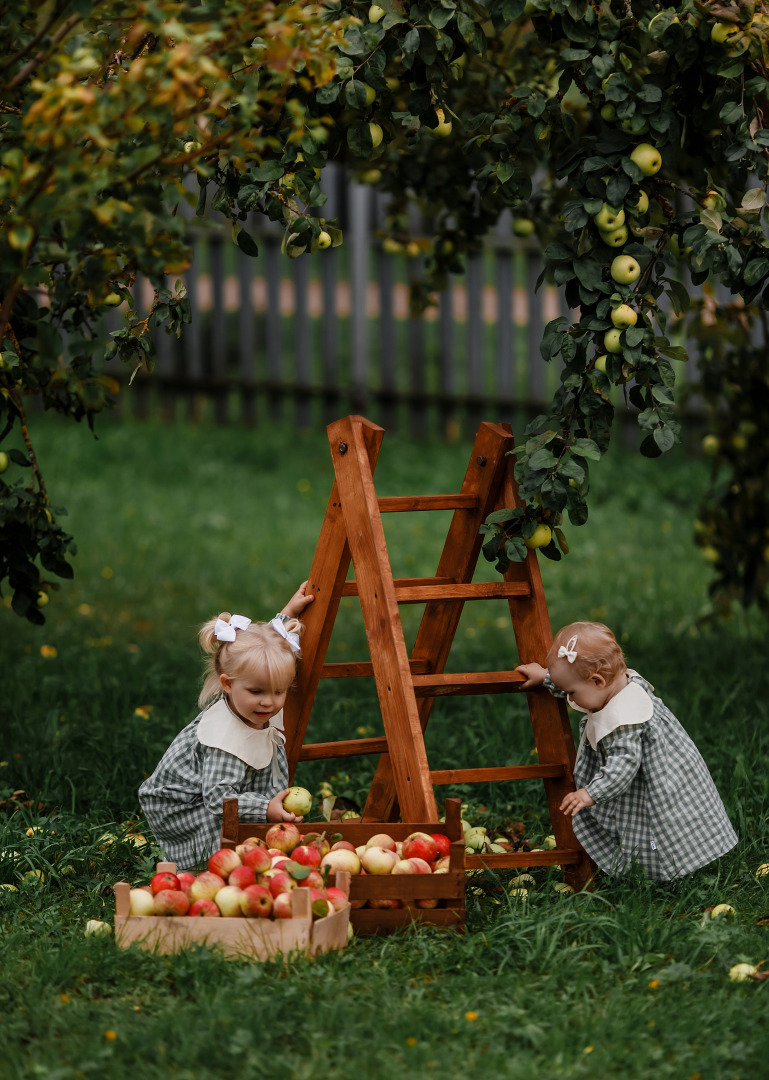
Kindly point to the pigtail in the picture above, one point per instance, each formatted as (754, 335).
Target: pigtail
(210, 645)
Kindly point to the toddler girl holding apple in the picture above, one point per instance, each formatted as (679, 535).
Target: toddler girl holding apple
(235, 746)
(644, 793)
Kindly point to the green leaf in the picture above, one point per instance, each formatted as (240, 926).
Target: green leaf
(586, 448)
(541, 459)
(664, 438)
(247, 244)
(756, 270)
(266, 173)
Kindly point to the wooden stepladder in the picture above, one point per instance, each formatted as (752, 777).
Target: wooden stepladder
(407, 685)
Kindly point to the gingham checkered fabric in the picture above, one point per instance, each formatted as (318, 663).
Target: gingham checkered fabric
(182, 800)
(656, 803)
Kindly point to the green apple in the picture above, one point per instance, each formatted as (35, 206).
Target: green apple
(711, 444)
(624, 316)
(370, 93)
(523, 226)
(608, 112)
(614, 237)
(600, 364)
(647, 158)
(625, 269)
(642, 206)
(541, 537)
(298, 801)
(324, 239)
(391, 246)
(720, 31)
(741, 972)
(612, 341)
(721, 909)
(376, 13)
(444, 126)
(42, 598)
(5, 461)
(608, 218)
(376, 133)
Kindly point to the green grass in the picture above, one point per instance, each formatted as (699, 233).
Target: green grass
(177, 523)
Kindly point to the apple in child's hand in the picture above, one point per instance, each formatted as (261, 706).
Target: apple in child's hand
(256, 902)
(378, 860)
(382, 840)
(163, 881)
(142, 902)
(281, 906)
(258, 858)
(228, 901)
(298, 801)
(306, 855)
(242, 876)
(442, 843)
(337, 898)
(204, 908)
(223, 862)
(420, 846)
(283, 836)
(185, 881)
(171, 902)
(206, 886)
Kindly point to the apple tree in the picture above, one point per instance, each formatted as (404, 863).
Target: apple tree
(629, 135)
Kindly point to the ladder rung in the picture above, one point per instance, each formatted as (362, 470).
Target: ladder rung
(470, 682)
(365, 669)
(344, 748)
(505, 772)
(562, 856)
(394, 504)
(423, 590)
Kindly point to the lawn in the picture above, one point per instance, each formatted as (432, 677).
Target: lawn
(174, 524)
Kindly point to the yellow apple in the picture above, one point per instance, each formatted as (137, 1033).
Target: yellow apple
(376, 134)
(541, 537)
(625, 269)
(647, 158)
(642, 206)
(444, 126)
(720, 31)
(616, 237)
(599, 365)
(370, 94)
(523, 226)
(721, 909)
(324, 239)
(608, 219)
(711, 444)
(375, 13)
(624, 316)
(612, 341)
(741, 972)
(5, 461)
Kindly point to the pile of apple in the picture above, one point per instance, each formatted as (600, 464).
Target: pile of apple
(255, 880)
(419, 853)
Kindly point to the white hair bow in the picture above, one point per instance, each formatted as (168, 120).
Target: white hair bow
(569, 650)
(290, 636)
(225, 631)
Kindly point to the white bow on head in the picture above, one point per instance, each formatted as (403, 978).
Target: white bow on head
(290, 636)
(569, 650)
(225, 631)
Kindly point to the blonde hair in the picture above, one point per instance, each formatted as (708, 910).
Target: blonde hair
(258, 653)
(598, 651)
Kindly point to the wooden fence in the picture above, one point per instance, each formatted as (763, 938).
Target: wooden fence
(327, 334)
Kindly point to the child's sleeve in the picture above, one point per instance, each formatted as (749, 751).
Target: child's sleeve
(554, 690)
(224, 776)
(623, 750)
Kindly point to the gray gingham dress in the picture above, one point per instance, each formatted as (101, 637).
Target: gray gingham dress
(656, 803)
(182, 799)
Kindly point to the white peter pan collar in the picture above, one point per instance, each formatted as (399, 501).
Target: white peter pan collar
(632, 705)
(221, 728)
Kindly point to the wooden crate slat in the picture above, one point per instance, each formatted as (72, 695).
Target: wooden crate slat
(503, 860)
(490, 775)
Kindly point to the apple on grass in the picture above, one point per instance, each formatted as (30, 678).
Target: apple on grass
(204, 909)
(223, 862)
(171, 902)
(141, 902)
(163, 881)
(283, 836)
(256, 902)
(228, 901)
(206, 886)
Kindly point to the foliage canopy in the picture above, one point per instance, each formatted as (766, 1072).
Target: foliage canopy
(630, 135)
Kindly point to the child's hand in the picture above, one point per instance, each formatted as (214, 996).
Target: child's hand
(275, 810)
(576, 801)
(535, 675)
(298, 602)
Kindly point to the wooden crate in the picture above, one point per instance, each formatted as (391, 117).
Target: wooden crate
(448, 889)
(258, 938)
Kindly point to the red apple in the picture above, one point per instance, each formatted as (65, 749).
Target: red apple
(314, 880)
(442, 843)
(258, 858)
(442, 865)
(228, 901)
(281, 882)
(382, 840)
(205, 908)
(283, 836)
(341, 859)
(254, 841)
(379, 860)
(242, 876)
(206, 886)
(223, 862)
(342, 845)
(171, 902)
(279, 862)
(337, 898)
(164, 881)
(412, 866)
(317, 840)
(427, 902)
(281, 906)
(383, 905)
(256, 902)
(306, 855)
(420, 846)
(185, 881)
(320, 904)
